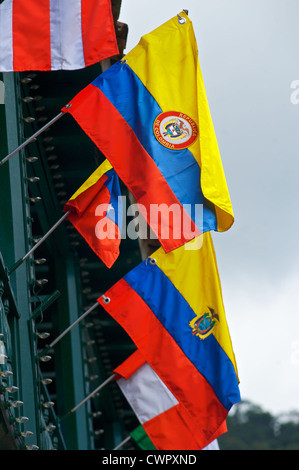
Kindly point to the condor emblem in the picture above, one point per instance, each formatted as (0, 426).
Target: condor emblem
(202, 325)
(175, 130)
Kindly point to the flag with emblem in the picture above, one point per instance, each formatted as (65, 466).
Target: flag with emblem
(95, 210)
(164, 423)
(172, 308)
(55, 34)
(149, 115)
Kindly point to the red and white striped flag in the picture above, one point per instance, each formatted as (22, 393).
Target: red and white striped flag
(55, 34)
(164, 420)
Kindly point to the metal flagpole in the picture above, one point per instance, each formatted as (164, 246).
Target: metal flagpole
(18, 263)
(72, 325)
(30, 139)
(89, 396)
(127, 439)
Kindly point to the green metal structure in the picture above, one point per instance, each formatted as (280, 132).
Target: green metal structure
(40, 387)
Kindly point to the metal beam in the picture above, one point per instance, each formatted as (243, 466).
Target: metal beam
(13, 244)
(68, 356)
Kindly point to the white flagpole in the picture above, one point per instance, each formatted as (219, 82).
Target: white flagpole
(30, 139)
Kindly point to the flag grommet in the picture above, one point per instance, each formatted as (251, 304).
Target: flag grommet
(181, 19)
(106, 300)
(152, 261)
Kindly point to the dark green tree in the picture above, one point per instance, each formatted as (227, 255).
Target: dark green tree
(252, 428)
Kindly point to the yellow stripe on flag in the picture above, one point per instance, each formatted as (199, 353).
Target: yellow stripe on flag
(194, 274)
(96, 175)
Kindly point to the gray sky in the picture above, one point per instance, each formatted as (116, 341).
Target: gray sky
(249, 51)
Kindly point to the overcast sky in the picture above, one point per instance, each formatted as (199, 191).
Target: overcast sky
(249, 56)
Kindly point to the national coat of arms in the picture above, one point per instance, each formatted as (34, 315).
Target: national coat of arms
(175, 130)
(203, 324)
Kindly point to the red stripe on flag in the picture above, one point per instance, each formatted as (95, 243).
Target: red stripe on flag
(102, 122)
(31, 35)
(106, 248)
(98, 33)
(170, 431)
(82, 201)
(175, 430)
(130, 365)
(166, 358)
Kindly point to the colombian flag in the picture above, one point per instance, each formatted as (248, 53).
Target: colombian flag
(164, 423)
(171, 306)
(149, 116)
(96, 212)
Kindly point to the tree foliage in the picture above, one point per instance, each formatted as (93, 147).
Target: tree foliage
(252, 428)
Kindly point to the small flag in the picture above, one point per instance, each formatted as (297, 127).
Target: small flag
(55, 34)
(171, 306)
(164, 424)
(96, 212)
(149, 115)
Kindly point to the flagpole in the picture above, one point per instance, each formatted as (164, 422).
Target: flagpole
(89, 396)
(30, 139)
(127, 439)
(18, 263)
(72, 325)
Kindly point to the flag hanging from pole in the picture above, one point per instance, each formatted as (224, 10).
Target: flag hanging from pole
(96, 212)
(149, 115)
(165, 425)
(172, 308)
(55, 34)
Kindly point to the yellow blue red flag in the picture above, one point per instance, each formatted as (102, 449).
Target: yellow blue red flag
(172, 308)
(150, 117)
(96, 212)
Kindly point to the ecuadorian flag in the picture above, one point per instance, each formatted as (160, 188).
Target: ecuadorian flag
(96, 212)
(171, 306)
(149, 116)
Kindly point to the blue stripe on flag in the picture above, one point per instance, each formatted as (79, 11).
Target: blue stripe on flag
(174, 312)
